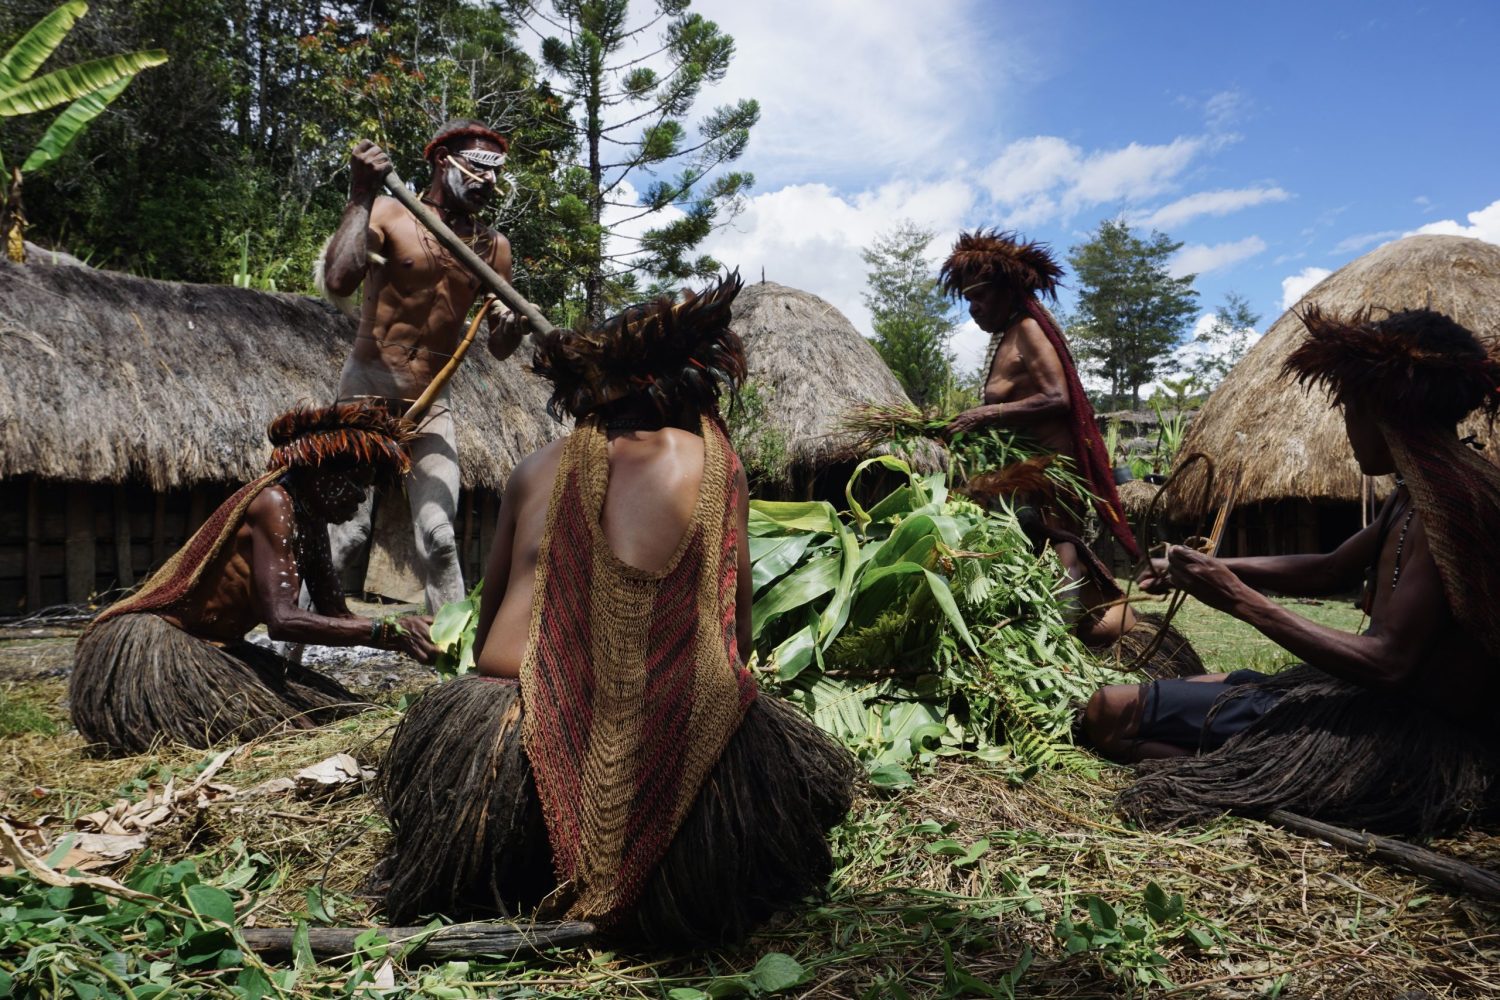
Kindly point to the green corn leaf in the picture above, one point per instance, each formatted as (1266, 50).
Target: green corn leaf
(776, 557)
(37, 45)
(806, 583)
(944, 596)
(61, 133)
(770, 516)
(72, 82)
(836, 614)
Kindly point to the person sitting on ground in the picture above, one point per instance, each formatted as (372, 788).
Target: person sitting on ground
(612, 760)
(1390, 730)
(170, 662)
(1032, 387)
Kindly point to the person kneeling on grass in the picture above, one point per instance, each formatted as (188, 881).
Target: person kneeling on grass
(612, 760)
(1392, 730)
(171, 661)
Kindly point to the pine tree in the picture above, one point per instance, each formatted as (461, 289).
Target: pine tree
(631, 110)
(1131, 312)
(912, 318)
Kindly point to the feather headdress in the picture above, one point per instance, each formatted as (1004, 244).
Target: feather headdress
(464, 128)
(361, 433)
(1026, 479)
(665, 352)
(1412, 367)
(986, 256)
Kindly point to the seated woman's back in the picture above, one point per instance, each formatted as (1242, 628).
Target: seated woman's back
(655, 479)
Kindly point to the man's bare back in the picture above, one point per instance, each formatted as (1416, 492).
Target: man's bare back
(655, 480)
(255, 580)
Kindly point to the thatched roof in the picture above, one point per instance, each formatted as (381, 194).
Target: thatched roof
(1290, 442)
(109, 377)
(815, 367)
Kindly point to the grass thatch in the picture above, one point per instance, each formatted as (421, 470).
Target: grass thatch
(814, 367)
(1289, 442)
(110, 377)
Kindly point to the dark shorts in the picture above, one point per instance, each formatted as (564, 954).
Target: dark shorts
(1183, 713)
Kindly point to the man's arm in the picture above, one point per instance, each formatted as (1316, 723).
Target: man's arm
(1301, 575)
(275, 583)
(506, 328)
(1050, 401)
(347, 256)
(1382, 657)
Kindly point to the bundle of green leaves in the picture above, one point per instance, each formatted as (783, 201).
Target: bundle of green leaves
(921, 625)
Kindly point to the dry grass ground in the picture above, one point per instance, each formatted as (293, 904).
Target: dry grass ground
(944, 888)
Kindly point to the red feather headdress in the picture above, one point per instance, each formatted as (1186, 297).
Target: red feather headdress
(361, 433)
(986, 256)
(1414, 366)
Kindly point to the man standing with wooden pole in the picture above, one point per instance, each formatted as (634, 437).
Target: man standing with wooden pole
(418, 287)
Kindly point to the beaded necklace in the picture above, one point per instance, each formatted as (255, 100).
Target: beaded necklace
(1401, 539)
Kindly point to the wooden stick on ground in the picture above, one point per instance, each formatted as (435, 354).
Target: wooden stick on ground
(502, 289)
(1466, 878)
(458, 941)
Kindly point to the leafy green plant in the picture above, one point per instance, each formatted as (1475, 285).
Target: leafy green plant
(761, 446)
(453, 631)
(89, 86)
(920, 625)
(1128, 943)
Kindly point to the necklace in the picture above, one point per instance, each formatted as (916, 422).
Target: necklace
(1401, 544)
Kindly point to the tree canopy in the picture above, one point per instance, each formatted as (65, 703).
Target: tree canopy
(912, 318)
(1131, 311)
(643, 192)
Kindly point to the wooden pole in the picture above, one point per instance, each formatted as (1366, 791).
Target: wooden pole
(417, 410)
(457, 941)
(502, 289)
(33, 544)
(78, 550)
(124, 571)
(1461, 875)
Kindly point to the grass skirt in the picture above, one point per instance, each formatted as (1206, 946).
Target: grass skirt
(1175, 657)
(1335, 752)
(138, 680)
(470, 839)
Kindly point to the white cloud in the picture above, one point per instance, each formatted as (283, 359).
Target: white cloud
(1210, 203)
(1294, 286)
(1483, 225)
(1043, 177)
(809, 236)
(969, 346)
(1354, 244)
(1201, 258)
(846, 85)
(1225, 109)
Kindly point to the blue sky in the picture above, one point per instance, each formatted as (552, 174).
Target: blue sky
(1278, 141)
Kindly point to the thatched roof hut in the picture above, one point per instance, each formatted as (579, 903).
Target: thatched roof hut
(811, 367)
(160, 388)
(111, 378)
(1288, 442)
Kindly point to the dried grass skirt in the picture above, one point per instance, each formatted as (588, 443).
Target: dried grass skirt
(1175, 657)
(1335, 752)
(470, 839)
(138, 680)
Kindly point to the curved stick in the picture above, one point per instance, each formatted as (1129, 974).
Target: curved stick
(417, 409)
(502, 289)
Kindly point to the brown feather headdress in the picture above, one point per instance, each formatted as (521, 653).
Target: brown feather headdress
(1026, 479)
(361, 433)
(665, 354)
(464, 128)
(1416, 366)
(986, 256)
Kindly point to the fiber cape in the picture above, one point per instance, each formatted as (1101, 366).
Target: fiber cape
(177, 577)
(1088, 444)
(631, 683)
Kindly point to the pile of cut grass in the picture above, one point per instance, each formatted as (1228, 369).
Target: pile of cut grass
(944, 889)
